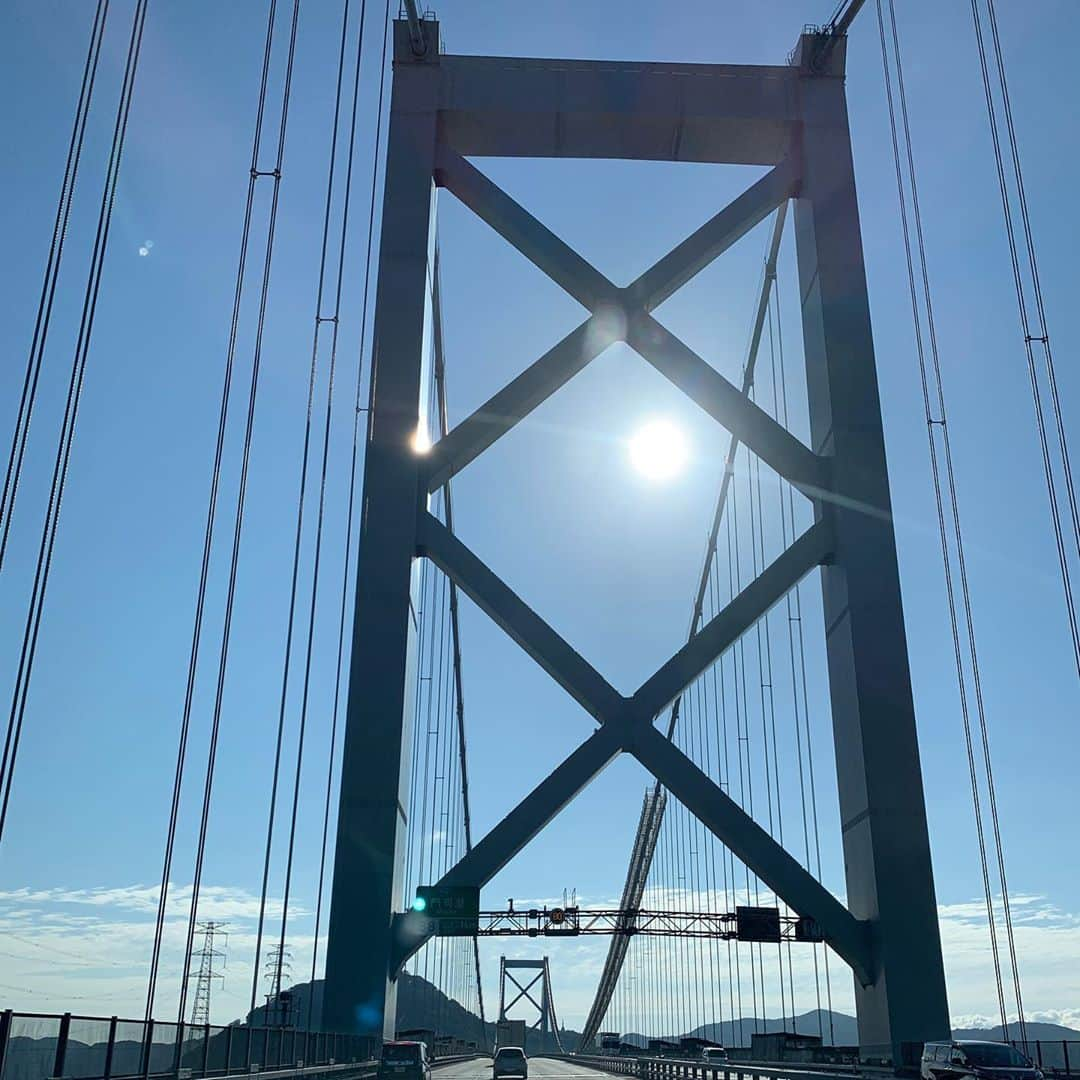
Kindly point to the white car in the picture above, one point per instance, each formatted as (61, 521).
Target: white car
(510, 1061)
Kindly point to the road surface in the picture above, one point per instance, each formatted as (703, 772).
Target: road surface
(539, 1069)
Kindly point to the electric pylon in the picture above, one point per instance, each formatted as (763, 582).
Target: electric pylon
(206, 973)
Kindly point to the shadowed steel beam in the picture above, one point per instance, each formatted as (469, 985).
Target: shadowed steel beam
(563, 663)
(506, 839)
(523, 991)
(517, 399)
(515, 224)
(613, 309)
(706, 244)
(784, 573)
(750, 843)
(509, 107)
(723, 401)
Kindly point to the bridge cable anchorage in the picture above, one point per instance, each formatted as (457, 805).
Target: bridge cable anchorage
(1040, 334)
(65, 441)
(43, 318)
(240, 503)
(351, 501)
(208, 535)
(832, 30)
(949, 526)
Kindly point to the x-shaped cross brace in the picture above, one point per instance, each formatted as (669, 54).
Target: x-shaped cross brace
(626, 723)
(523, 992)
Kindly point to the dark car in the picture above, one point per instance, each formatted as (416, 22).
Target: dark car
(510, 1061)
(983, 1060)
(404, 1061)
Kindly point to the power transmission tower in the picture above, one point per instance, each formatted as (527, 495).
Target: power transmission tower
(278, 970)
(207, 971)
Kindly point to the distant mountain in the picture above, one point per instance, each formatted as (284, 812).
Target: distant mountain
(1036, 1030)
(835, 1029)
(419, 1005)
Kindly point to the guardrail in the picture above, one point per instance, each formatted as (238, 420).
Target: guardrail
(36, 1046)
(1052, 1057)
(651, 1068)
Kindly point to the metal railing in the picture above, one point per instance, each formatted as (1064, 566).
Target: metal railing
(662, 1068)
(1055, 1058)
(50, 1046)
(1060, 1058)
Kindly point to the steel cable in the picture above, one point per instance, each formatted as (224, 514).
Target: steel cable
(32, 628)
(208, 534)
(351, 501)
(1042, 335)
(43, 318)
(943, 492)
(223, 654)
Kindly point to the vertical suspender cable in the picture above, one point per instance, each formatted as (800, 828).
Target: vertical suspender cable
(319, 320)
(350, 508)
(940, 425)
(52, 273)
(334, 322)
(208, 536)
(223, 655)
(1039, 334)
(455, 628)
(71, 410)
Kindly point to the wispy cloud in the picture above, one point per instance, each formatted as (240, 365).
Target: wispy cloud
(91, 946)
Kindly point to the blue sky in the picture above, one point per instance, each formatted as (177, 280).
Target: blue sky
(82, 853)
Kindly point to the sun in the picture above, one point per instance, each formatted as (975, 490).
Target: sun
(658, 450)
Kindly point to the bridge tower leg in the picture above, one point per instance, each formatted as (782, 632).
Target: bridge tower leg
(882, 810)
(359, 995)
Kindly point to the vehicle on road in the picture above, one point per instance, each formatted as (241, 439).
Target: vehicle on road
(983, 1060)
(403, 1060)
(510, 1061)
(714, 1054)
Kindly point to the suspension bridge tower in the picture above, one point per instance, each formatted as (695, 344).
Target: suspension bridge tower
(447, 111)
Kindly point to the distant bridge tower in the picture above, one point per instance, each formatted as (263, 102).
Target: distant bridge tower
(446, 112)
(545, 1022)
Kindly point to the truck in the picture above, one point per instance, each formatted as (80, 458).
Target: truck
(510, 1033)
(608, 1041)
